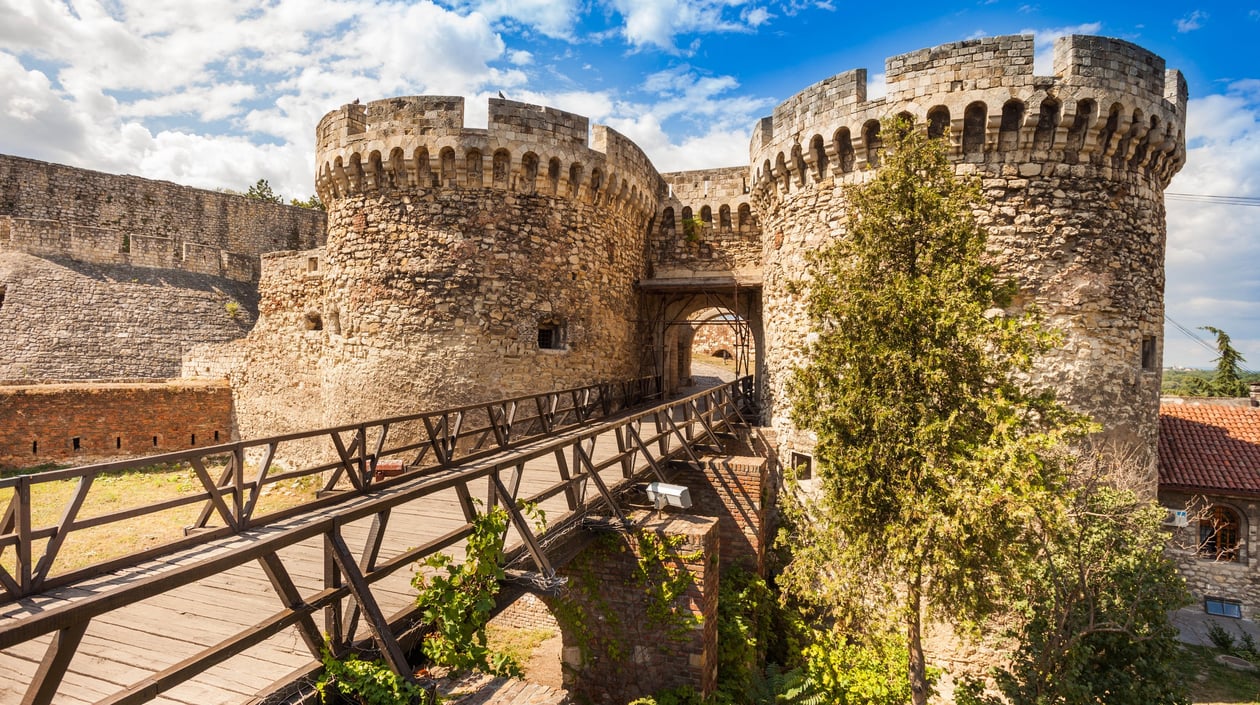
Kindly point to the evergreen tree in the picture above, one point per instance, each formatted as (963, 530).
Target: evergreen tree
(933, 458)
(1228, 381)
(261, 191)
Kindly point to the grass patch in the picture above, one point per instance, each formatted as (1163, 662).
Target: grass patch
(519, 643)
(126, 489)
(1212, 683)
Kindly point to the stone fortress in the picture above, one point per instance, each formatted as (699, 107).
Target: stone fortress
(461, 264)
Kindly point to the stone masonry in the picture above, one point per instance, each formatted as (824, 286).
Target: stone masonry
(1073, 165)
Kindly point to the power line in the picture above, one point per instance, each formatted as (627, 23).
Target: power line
(1253, 201)
(1206, 345)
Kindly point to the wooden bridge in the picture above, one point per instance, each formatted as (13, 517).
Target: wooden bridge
(242, 604)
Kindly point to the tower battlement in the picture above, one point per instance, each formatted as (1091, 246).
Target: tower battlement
(413, 143)
(1109, 103)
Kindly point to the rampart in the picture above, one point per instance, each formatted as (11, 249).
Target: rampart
(63, 319)
(1073, 167)
(50, 210)
(706, 223)
(81, 423)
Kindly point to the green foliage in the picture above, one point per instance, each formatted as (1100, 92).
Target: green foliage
(1196, 383)
(261, 191)
(694, 229)
(456, 601)
(1228, 380)
(366, 682)
(842, 671)
(233, 309)
(746, 607)
(1095, 609)
(665, 582)
(313, 203)
(933, 459)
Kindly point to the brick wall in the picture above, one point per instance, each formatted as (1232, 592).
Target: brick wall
(83, 423)
(732, 490)
(618, 644)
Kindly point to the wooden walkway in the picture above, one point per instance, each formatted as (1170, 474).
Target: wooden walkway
(219, 623)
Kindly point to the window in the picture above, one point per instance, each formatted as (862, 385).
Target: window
(1222, 608)
(1218, 534)
(550, 336)
(804, 465)
(1148, 352)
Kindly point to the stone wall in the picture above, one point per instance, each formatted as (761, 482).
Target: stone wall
(1074, 167)
(61, 211)
(1206, 577)
(706, 224)
(82, 423)
(107, 276)
(62, 319)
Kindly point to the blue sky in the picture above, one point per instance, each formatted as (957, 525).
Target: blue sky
(219, 94)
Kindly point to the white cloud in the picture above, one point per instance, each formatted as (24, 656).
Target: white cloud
(1191, 22)
(657, 23)
(554, 18)
(1213, 248)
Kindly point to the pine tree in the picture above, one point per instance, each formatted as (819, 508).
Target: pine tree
(1228, 381)
(934, 454)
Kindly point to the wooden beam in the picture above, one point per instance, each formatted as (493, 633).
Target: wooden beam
(53, 667)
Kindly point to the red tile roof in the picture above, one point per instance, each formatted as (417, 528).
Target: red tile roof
(1209, 447)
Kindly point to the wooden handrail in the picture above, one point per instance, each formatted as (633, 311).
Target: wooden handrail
(646, 438)
(486, 428)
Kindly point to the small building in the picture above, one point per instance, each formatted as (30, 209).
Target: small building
(1209, 479)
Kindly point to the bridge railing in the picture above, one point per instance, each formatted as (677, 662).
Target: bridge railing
(230, 478)
(645, 440)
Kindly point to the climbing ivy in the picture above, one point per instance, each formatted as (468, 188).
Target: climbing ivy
(457, 598)
(665, 580)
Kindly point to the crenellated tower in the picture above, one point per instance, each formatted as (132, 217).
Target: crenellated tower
(1073, 166)
(461, 264)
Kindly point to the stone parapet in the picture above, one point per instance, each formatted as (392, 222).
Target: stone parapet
(51, 210)
(1109, 103)
(705, 222)
(419, 143)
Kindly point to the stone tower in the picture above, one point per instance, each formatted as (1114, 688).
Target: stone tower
(460, 265)
(470, 264)
(1073, 165)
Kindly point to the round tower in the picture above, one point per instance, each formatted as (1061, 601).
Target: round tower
(467, 264)
(1073, 167)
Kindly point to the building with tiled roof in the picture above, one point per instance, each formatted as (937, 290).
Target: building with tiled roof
(1209, 468)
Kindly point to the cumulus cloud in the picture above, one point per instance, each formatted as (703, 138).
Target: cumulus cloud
(160, 72)
(1212, 278)
(658, 23)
